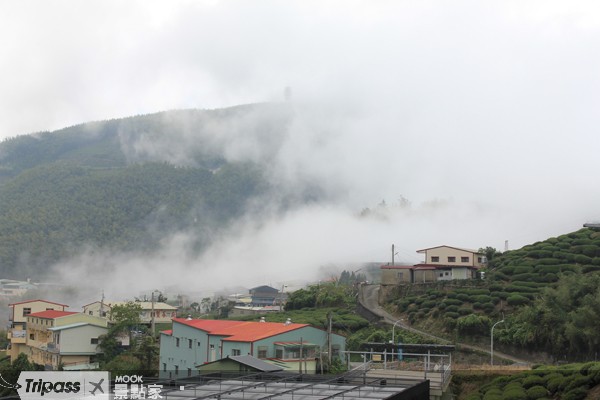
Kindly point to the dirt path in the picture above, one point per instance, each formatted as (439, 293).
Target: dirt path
(368, 297)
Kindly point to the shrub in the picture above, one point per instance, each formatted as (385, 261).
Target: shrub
(547, 261)
(429, 304)
(501, 295)
(578, 381)
(514, 393)
(452, 309)
(451, 315)
(590, 268)
(493, 394)
(517, 300)
(551, 376)
(539, 253)
(523, 277)
(537, 392)
(575, 394)
(555, 383)
(587, 250)
(453, 302)
(488, 307)
(533, 380)
(463, 297)
(473, 324)
(582, 259)
(465, 311)
(523, 269)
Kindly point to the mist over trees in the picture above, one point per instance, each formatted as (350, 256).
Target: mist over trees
(126, 184)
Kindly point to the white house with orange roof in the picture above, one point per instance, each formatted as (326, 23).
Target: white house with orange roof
(17, 321)
(441, 263)
(194, 342)
(64, 339)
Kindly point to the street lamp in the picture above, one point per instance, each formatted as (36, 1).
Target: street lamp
(394, 328)
(492, 342)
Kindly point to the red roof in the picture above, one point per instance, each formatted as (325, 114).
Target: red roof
(167, 332)
(51, 314)
(240, 331)
(44, 301)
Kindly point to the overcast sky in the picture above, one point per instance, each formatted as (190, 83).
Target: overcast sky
(484, 115)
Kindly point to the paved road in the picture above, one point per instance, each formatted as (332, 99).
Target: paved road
(369, 295)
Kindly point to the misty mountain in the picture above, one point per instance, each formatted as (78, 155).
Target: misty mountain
(126, 184)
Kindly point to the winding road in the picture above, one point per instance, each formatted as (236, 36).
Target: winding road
(368, 298)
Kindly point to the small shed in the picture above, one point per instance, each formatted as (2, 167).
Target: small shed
(239, 364)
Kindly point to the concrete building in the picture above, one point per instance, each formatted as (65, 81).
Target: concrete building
(193, 342)
(64, 339)
(163, 312)
(17, 321)
(442, 263)
(265, 296)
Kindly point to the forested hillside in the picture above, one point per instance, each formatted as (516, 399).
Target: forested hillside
(125, 184)
(548, 294)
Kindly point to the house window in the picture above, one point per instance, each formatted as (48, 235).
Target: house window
(164, 367)
(190, 343)
(176, 370)
(435, 259)
(26, 311)
(48, 309)
(279, 353)
(91, 312)
(94, 340)
(176, 342)
(189, 372)
(451, 259)
(235, 352)
(31, 336)
(262, 351)
(400, 275)
(464, 259)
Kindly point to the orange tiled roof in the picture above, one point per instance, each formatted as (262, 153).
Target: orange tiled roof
(240, 331)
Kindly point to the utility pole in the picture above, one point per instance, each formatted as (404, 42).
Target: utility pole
(393, 253)
(329, 319)
(153, 327)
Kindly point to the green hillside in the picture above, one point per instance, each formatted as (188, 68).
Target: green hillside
(548, 292)
(125, 184)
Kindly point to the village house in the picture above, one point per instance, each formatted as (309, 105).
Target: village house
(162, 312)
(265, 296)
(17, 321)
(64, 339)
(194, 342)
(442, 263)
